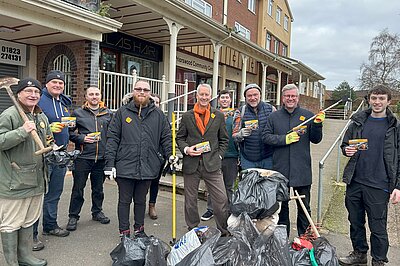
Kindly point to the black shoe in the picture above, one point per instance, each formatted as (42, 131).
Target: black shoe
(125, 233)
(100, 217)
(207, 215)
(378, 263)
(139, 232)
(57, 232)
(72, 223)
(37, 245)
(354, 258)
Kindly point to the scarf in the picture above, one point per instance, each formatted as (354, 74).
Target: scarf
(198, 111)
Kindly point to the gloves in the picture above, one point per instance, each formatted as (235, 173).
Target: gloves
(292, 137)
(244, 132)
(173, 159)
(320, 117)
(111, 173)
(56, 127)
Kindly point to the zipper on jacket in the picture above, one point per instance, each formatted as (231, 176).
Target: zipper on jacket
(97, 143)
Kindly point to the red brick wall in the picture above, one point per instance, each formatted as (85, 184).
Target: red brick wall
(238, 11)
(217, 9)
(309, 103)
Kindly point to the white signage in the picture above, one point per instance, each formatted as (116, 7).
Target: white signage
(12, 53)
(193, 63)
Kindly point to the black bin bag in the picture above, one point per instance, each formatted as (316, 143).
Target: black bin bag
(324, 252)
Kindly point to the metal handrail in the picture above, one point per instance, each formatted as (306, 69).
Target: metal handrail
(322, 164)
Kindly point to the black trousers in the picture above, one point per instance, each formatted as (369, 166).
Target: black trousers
(361, 199)
(302, 221)
(154, 187)
(82, 169)
(131, 190)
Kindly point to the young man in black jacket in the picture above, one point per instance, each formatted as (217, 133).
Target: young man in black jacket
(372, 176)
(89, 136)
(291, 156)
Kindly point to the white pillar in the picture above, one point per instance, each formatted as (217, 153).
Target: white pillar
(300, 76)
(263, 81)
(308, 87)
(217, 47)
(244, 72)
(278, 89)
(174, 29)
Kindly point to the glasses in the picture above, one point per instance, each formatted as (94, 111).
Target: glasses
(290, 96)
(145, 90)
(30, 91)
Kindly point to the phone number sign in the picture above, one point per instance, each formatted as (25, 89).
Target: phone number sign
(12, 53)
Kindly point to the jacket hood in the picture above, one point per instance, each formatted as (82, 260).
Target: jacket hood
(65, 100)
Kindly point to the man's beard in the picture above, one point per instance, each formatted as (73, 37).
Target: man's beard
(140, 101)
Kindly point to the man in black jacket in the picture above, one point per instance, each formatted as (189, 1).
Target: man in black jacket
(372, 176)
(89, 136)
(134, 138)
(291, 155)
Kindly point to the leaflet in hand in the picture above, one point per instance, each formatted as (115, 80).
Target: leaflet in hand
(68, 121)
(95, 136)
(252, 124)
(203, 147)
(359, 144)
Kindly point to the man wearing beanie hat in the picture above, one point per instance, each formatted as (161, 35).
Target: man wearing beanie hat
(55, 106)
(23, 179)
(249, 123)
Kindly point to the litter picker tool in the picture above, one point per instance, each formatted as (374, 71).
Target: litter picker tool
(7, 83)
(326, 109)
(173, 170)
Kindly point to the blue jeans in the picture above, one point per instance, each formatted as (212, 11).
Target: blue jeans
(263, 164)
(51, 199)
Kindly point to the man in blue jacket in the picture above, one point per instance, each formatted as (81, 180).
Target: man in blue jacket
(89, 136)
(54, 105)
(292, 150)
(249, 122)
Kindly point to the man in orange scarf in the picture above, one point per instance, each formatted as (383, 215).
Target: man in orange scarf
(203, 139)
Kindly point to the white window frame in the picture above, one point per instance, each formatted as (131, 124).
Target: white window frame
(251, 5)
(278, 15)
(270, 7)
(242, 30)
(268, 42)
(201, 6)
(276, 46)
(286, 23)
(284, 50)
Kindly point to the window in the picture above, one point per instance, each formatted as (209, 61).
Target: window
(252, 6)
(63, 64)
(284, 50)
(270, 5)
(278, 15)
(276, 47)
(286, 23)
(268, 42)
(201, 6)
(243, 31)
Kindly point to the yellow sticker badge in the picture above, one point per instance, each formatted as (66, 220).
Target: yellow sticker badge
(212, 115)
(65, 110)
(302, 118)
(42, 124)
(128, 120)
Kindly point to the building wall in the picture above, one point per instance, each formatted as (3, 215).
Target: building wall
(217, 9)
(238, 11)
(309, 103)
(84, 60)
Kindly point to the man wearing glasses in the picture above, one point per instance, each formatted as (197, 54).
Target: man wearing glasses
(291, 155)
(134, 138)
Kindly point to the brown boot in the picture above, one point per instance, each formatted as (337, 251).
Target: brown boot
(152, 211)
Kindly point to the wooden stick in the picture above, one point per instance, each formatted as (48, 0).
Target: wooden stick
(298, 197)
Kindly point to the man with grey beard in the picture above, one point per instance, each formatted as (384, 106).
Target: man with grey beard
(134, 138)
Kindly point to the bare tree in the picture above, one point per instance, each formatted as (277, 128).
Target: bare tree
(383, 66)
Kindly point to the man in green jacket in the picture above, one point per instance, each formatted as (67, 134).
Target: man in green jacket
(23, 178)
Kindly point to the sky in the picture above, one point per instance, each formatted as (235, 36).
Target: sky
(333, 37)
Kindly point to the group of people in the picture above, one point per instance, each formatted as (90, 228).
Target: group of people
(133, 144)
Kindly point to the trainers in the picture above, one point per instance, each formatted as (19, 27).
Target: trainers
(57, 232)
(37, 245)
(354, 258)
(100, 217)
(72, 222)
(378, 263)
(139, 232)
(125, 233)
(207, 215)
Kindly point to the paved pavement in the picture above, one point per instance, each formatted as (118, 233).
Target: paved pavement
(92, 242)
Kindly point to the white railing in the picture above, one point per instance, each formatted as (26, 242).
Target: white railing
(114, 86)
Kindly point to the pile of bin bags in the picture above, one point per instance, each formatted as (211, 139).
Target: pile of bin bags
(204, 246)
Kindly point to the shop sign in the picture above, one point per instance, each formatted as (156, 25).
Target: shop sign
(133, 46)
(12, 53)
(193, 63)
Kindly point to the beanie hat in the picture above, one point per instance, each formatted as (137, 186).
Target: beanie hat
(251, 86)
(55, 74)
(27, 82)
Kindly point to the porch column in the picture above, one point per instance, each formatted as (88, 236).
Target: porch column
(299, 85)
(263, 81)
(217, 47)
(278, 90)
(174, 29)
(308, 87)
(244, 71)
